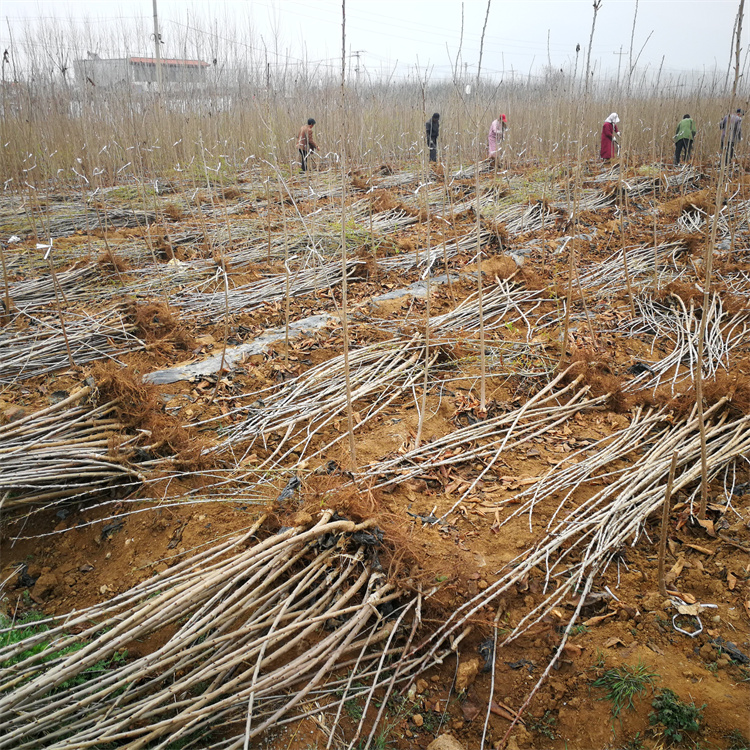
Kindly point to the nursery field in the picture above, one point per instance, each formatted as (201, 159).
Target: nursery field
(363, 457)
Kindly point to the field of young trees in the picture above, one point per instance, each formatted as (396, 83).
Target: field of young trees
(383, 451)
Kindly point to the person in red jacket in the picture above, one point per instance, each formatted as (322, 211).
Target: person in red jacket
(306, 142)
(609, 136)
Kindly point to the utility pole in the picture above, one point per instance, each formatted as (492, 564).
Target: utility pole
(619, 62)
(157, 43)
(356, 54)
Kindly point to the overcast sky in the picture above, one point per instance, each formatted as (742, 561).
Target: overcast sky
(396, 35)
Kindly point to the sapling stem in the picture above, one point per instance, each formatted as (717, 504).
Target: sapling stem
(665, 524)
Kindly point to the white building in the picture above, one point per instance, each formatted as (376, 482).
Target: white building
(138, 71)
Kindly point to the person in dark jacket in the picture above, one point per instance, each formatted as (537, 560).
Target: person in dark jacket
(731, 131)
(683, 139)
(306, 143)
(432, 130)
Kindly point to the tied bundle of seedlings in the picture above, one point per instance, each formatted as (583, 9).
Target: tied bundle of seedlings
(679, 324)
(213, 305)
(531, 218)
(250, 630)
(441, 251)
(485, 440)
(118, 218)
(503, 304)
(583, 538)
(77, 284)
(608, 277)
(42, 346)
(60, 453)
(307, 405)
(590, 200)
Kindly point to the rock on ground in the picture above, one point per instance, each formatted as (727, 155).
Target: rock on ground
(445, 742)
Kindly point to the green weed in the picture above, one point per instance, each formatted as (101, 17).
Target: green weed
(623, 684)
(675, 716)
(545, 725)
(29, 625)
(737, 740)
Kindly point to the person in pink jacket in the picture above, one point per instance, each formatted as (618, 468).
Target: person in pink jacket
(497, 133)
(609, 136)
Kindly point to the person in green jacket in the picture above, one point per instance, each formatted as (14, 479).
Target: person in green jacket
(683, 139)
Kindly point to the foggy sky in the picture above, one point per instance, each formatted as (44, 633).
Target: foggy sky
(396, 36)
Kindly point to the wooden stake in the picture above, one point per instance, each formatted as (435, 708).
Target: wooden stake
(344, 309)
(665, 524)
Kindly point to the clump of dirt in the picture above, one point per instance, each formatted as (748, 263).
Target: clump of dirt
(160, 329)
(139, 407)
(221, 261)
(174, 212)
(230, 193)
(383, 200)
(111, 263)
(499, 267)
(686, 292)
(497, 228)
(531, 278)
(410, 554)
(360, 183)
(600, 378)
(703, 200)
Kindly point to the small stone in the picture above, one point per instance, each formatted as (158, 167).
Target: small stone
(652, 601)
(445, 742)
(623, 615)
(457, 724)
(45, 585)
(482, 585)
(435, 678)
(707, 652)
(301, 519)
(12, 413)
(467, 673)
(422, 685)
(418, 720)
(723, 661)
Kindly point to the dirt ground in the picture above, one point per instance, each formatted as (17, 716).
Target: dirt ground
(57, 557)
